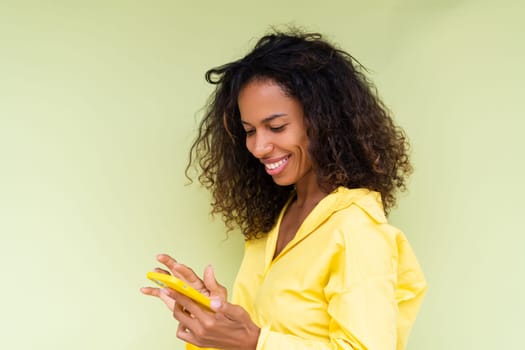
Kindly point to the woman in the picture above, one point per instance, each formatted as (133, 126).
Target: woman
(300, 154)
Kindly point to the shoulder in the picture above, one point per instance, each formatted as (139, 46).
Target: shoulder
(359, 208)
(361, 223)
(360, 203)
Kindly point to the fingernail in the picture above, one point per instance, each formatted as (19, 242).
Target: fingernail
(216, 303)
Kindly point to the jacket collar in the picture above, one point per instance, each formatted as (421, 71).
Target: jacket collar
(341, 198)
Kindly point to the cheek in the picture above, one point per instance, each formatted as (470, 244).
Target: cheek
(305, 149)
(249, 145)
(304, 143)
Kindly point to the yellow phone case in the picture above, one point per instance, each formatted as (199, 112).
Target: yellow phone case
(164, 280)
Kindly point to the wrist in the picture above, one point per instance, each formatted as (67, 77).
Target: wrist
(253, 338)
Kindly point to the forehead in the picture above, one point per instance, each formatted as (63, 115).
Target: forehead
(261, 99)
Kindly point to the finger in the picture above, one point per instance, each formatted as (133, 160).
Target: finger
(150, 291)
(170, 302)
(181, 314)
(155, 292)
(185, 334)
(158, 269)
(230, 311)
(188, 275)
(210, 282)
(167, 260)
(183, 272)
(177, 269)
(191, 308)
(191, 323)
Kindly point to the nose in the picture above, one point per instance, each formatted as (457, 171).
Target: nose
(261, 145)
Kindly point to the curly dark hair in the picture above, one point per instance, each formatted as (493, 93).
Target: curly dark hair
(353, 139)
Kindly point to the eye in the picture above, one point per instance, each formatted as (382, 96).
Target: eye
(249, 132)
(277, 128)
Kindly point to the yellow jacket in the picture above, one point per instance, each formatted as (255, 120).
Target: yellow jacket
(347, 280)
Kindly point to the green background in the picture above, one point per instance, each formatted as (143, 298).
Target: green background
(98, 105)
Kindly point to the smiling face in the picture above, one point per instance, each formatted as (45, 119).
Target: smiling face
(276, 132)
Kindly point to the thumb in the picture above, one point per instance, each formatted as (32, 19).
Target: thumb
(216, 290)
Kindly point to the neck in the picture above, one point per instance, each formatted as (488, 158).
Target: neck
(308, 192)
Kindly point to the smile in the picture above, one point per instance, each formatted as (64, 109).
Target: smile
(276, 167)
(273, 166)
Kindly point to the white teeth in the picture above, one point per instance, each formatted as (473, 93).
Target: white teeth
(275, 165)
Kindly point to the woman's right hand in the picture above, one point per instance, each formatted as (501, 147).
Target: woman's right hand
(186, 274)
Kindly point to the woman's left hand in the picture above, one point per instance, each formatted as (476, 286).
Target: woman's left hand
(228, 326)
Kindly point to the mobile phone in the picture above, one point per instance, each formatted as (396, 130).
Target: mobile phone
(164, 280)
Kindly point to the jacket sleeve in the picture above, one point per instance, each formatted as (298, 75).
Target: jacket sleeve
(364, 319)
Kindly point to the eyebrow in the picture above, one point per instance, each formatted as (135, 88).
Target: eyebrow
(269, 118)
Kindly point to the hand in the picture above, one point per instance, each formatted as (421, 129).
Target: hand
(189, 276)
(229, 327)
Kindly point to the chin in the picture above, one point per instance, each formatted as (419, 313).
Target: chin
(283, 182)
